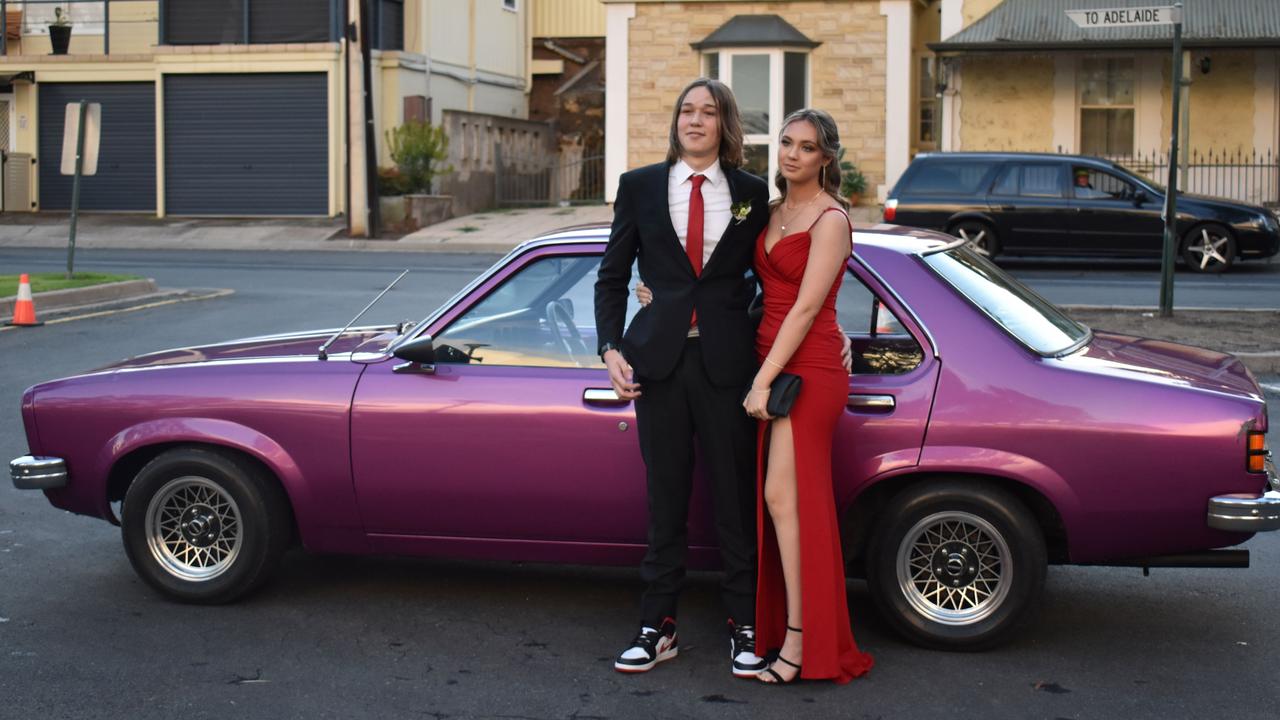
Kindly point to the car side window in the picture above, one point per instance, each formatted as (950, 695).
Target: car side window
(542, 316)
(1093, 184)
(1041, 180)
(879, 342)
(950, 177)
(1007, 183)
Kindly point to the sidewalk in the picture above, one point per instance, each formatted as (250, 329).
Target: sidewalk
(490, 232)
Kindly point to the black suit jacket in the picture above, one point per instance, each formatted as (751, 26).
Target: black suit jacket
(642, 229)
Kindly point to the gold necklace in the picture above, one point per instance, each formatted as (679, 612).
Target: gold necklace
(783, 225)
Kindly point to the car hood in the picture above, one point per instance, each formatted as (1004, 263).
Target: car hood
(361, 339)
(1191, 200)
(1170, 363)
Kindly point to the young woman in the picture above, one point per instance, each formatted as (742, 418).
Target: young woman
(800, 259)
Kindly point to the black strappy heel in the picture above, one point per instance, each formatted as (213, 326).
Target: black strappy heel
(777, 679)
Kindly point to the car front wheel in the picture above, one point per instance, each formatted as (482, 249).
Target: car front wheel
(956, 564)
(204, 526)
(1209, 249)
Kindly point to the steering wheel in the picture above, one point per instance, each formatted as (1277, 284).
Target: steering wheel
(557, 315)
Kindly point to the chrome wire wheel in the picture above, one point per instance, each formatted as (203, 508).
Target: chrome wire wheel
(193, 528)
(978, 236)
(954, 568)
(1208, 249)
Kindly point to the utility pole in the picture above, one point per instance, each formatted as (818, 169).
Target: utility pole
(357, 171)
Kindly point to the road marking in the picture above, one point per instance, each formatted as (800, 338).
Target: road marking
(102, 313)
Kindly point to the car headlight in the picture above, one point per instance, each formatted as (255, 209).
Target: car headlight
(1271, 220)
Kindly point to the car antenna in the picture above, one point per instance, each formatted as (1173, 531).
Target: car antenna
(324, 355)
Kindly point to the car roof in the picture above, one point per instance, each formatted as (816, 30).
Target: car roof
(897, 238)
(1013, 156)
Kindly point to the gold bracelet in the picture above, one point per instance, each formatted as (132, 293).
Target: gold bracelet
(780, 367)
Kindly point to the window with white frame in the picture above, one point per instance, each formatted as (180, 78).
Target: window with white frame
(926, 105)
(768, 83)
(86, 18)
(1106, 102)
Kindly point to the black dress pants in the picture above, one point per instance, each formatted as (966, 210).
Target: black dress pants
(669, 413)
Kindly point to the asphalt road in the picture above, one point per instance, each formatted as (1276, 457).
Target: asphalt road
(82, 637)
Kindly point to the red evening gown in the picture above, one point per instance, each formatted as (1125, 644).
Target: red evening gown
(829, 651)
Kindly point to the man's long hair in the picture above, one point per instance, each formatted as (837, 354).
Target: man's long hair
(730, 123)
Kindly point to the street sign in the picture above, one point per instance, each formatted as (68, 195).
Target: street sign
(1126, 17)
(71, 134)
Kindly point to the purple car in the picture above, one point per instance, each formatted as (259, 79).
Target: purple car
(987, 435)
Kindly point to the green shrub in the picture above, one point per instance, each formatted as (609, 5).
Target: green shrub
(852, 181)
(392, 182)
(418, 149)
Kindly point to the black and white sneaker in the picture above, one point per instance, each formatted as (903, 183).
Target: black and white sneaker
(742, 650)
(650, 647)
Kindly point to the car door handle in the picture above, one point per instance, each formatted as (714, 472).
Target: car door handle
(604, 397)
(872, 403)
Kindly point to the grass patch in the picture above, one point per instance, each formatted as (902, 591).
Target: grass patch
(41, 282)
(468, 228)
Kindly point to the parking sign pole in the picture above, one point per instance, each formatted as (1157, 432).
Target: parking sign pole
(1171, 194)
(75, 190)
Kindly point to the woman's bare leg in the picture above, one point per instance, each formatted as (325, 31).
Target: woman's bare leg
(781, 498)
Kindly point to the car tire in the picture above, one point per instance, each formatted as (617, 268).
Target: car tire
(205, 526)
(981, 236)
(1209, 248)
(956, 564)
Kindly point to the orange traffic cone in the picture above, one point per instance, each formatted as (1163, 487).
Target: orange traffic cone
(24, 310)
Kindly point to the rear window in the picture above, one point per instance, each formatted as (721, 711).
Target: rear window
(950, 177)
(1034, 321)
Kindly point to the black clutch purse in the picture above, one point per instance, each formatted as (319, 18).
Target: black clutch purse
(782, 394)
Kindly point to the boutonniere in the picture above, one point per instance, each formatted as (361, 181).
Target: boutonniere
(740, 211)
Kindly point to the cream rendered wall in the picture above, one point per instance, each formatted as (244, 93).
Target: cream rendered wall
(1011, 104)
(568, 18)
(1222, 112)
(974, 10)
(449, 31)
(134, 26)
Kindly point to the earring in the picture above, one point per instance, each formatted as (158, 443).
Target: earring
(822, 181)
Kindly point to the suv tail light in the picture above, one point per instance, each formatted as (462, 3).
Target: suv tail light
(1256, 454)
(890, 210)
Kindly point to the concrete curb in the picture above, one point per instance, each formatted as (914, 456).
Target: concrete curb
(93, 294)
(1267, 363)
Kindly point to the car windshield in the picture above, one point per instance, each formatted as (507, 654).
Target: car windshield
(1034, 321)
(1145, 178)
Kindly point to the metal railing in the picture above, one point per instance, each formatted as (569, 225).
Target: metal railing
(1251, 177)
(552, 180)
(6, 6)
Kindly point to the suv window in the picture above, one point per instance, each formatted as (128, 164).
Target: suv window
(1041, 180)
(950, 177)
(1093, 184)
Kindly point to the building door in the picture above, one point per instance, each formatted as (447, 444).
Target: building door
(126, 177)
(247, 144)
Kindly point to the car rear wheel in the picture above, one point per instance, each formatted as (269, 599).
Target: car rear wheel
(204, 526)
(981, 236)
(1209, 249)
(956, 564)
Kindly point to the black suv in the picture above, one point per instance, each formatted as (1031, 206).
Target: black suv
(1044, 204)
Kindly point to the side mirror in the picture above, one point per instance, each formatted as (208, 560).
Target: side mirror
(1140, 197)
(419, 356)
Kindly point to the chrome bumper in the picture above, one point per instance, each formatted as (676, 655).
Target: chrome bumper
(38, 472)
(1249, 513)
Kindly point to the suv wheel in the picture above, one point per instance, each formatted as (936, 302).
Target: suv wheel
(1209, 249)
(980, 235)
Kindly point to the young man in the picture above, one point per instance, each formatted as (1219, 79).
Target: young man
(688, 357)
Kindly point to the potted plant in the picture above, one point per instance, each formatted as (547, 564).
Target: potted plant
(852, 182)
(419, 149)
(60, 31)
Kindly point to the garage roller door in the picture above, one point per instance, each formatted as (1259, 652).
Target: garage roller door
(126, 178)
(252, 144)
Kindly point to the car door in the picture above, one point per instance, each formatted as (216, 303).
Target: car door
(1032, 209)
(891, 388)
(515, 435)
(1115, 217)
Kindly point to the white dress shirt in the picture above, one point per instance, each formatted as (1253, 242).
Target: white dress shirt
(715, 204)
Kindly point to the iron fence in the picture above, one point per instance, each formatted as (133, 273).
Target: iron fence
(1250, 177)
(548, 180)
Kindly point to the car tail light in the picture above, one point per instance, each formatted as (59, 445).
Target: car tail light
(1256, 454)
(890, 210)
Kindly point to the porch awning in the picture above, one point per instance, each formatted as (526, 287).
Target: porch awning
(1023, 25)
(755, 31)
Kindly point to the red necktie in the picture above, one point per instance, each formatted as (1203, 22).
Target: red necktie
(693, 238)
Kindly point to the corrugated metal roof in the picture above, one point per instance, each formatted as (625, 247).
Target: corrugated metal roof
(1044, 25)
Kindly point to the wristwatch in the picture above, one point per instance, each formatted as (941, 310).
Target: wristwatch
(606, 347)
